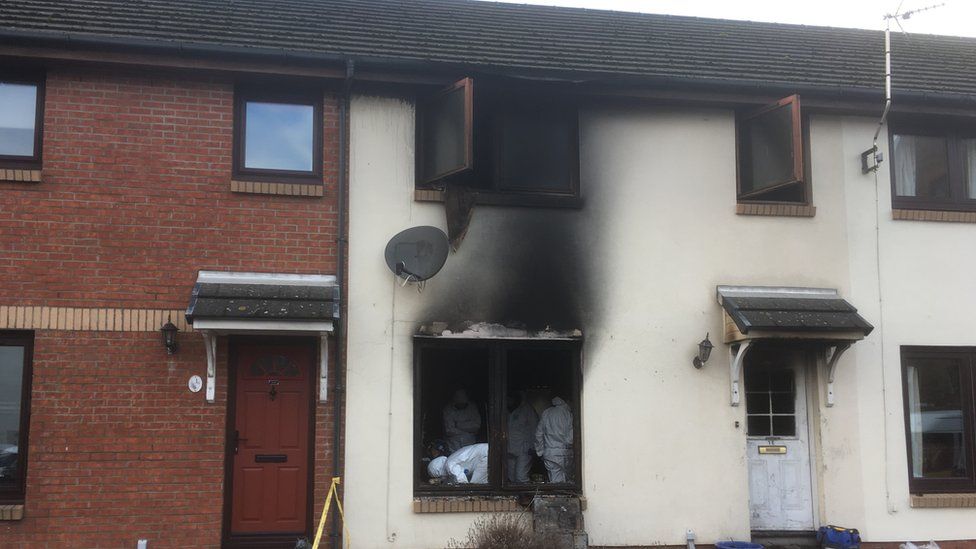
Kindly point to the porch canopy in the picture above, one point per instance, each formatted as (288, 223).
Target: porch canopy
(225, 303)
(755, 313)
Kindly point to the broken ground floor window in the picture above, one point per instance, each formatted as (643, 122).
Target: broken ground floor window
(496, 415)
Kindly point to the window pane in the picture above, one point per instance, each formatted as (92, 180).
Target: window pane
(537, 150)
(454, 411)
(279, 136)
(783, 403)
(757, 403)
(969, 152)
(11, 379)
(766, 149)
(18, 111)
(935, 412)
(784, 426)
(921, 166)
(758, 426)
(444, 136)
(539, 398)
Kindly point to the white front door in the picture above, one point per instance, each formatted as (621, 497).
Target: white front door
(780, 495)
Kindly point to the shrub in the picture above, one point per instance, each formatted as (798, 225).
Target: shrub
(504, 531)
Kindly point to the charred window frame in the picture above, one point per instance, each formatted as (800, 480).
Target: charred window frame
(940, 423)
(37, 81)
(495, 421)
(945, 150)
(299, 95)
(772, 151)
(507, 147)
(13, 492)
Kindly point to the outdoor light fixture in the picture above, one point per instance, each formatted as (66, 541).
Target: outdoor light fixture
(704, 349)
(169, 337)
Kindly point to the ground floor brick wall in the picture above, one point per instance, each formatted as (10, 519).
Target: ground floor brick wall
(121, 450)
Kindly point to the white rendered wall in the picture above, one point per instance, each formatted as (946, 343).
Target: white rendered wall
(661, 452)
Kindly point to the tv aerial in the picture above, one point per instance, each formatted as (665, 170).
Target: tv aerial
(417, 254)
(873, 154)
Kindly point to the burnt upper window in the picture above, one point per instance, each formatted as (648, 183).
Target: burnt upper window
(21, 121)
(939, 415)
(278, 135)
(933, 167)
(771, 146)
(15, 391)
(503, 414)
(510, 148)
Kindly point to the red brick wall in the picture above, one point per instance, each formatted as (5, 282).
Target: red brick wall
(136, 197)
(134, 201)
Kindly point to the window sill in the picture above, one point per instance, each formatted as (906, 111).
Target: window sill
(775, 210)
(20, 175)
(934, 215)
(282, 189)
(934, 501)
(505, 199)
(11, 512)
(465, 504)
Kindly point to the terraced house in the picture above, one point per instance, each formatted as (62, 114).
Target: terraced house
(661, 271)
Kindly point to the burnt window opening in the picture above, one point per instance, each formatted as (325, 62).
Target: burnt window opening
(933, 166)
(490, 408)
(770, 402)
(772, 144)
(939, 391)
(278, 134)
(15, 391)
(21, 120)
(509, 148)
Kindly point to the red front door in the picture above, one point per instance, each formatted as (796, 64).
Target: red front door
(270, 438)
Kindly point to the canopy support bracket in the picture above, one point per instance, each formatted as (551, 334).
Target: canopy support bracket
(323, 367)
(210, 342)
(737, 354)
(833, 354)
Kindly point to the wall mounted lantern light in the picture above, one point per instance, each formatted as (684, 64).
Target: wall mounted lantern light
(169, 337)
(704, 350)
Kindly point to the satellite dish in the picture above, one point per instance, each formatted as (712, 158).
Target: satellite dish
(417, 253)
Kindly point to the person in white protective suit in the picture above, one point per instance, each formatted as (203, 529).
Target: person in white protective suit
(522, 423)
(554, 440)
(469, 465)
(462, 421)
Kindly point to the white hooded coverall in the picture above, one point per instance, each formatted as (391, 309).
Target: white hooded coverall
(554, 440)
(467, 465)
(461, 425)
(522, 423)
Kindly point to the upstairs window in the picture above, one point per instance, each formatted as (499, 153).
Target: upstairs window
(21, 120)
(278, 136)
(15, 391)
(770, 147)
(509, 148)
(933, 168)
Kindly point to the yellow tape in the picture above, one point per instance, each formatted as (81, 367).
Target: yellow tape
(333, 492)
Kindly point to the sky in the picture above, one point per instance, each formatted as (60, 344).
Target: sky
(956, 17)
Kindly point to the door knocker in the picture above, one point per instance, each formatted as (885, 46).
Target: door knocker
(274, 388)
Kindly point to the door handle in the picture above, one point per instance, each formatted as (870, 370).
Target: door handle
(237, 440)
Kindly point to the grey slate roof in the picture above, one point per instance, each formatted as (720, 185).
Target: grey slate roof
(519, 39)
(794, 314)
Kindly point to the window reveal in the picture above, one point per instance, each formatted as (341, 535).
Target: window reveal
(496, 416)
(15, 381)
